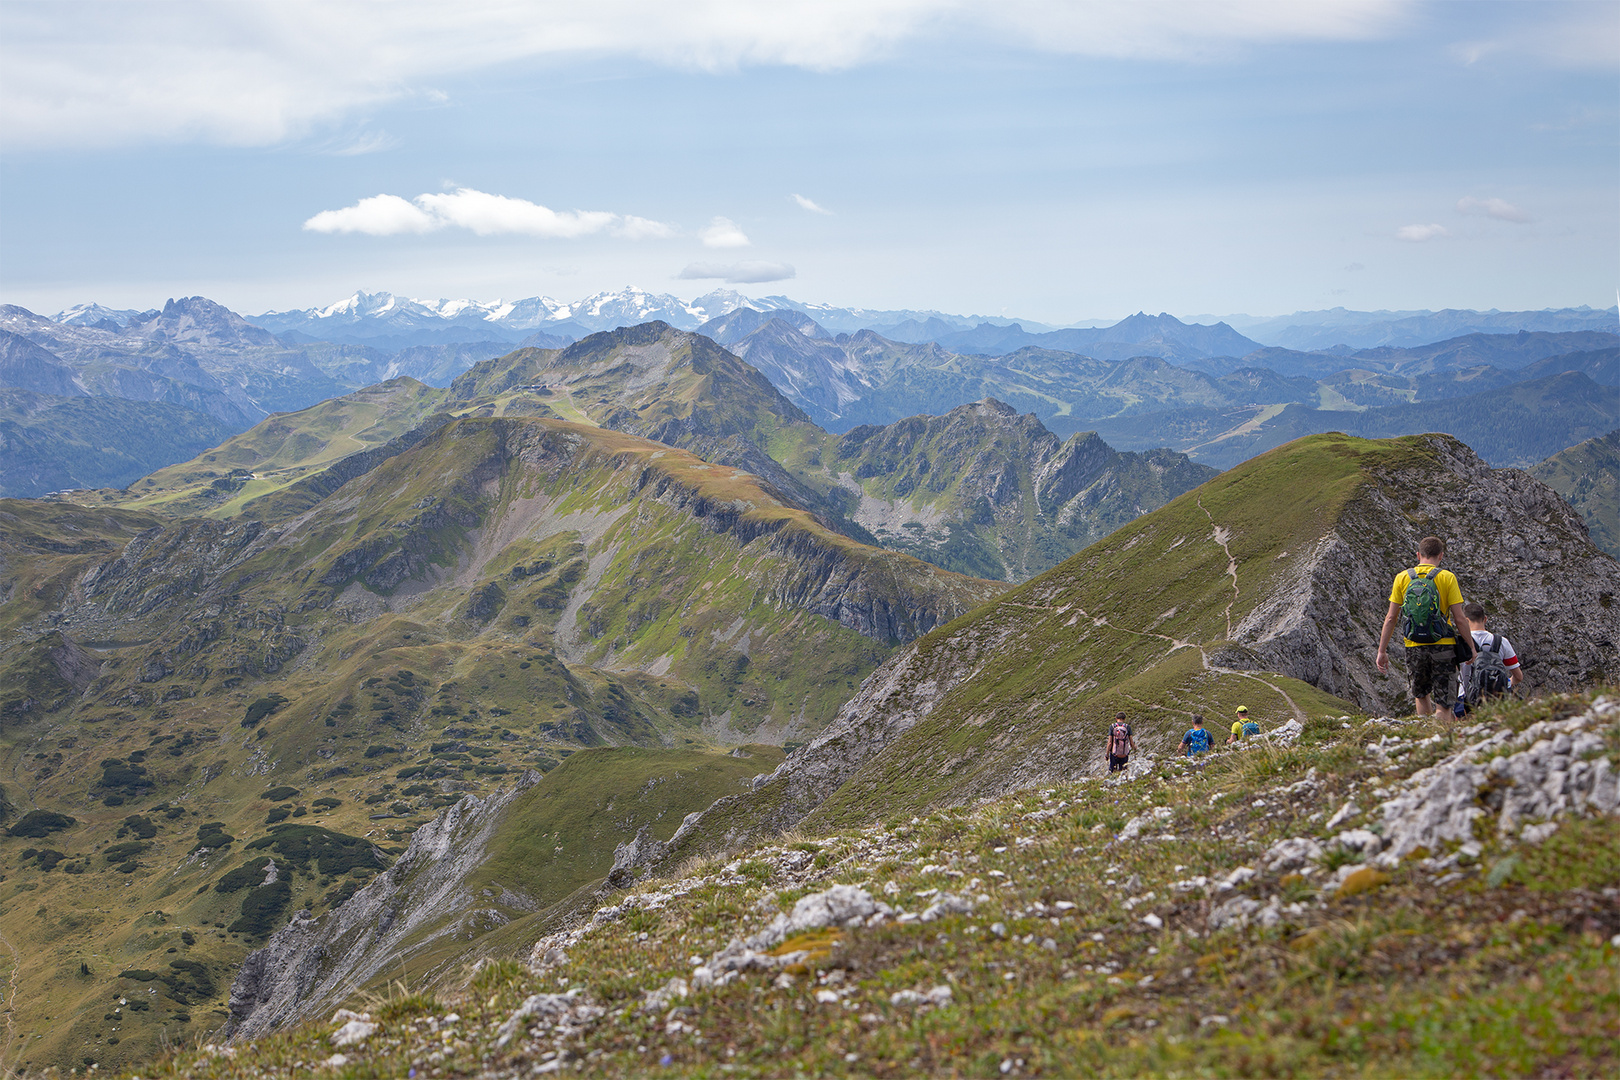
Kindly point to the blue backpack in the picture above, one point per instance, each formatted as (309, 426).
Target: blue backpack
(1198, 741)
(1250, 728)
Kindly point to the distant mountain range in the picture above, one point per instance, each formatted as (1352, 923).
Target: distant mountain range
(384, 320)
(843, 366)
(1368, 329)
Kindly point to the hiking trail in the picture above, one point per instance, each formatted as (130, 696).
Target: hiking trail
(10, 1003)
(1221, 535)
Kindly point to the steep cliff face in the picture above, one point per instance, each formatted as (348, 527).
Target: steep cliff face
(423, 898)
(1265, 587)
(485, 876)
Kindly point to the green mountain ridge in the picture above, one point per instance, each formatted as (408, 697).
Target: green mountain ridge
(1588, 477)
(983, 490)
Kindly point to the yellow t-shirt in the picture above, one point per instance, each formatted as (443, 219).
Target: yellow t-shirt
(1450, 593)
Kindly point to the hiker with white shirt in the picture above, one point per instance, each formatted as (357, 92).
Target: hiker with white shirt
(1495, 669)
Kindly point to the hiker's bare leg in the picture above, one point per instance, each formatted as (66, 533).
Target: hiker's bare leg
(1425, 707)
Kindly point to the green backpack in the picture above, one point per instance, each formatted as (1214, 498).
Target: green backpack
(1423, 619)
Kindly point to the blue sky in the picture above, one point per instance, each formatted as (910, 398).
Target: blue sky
(1052, 161)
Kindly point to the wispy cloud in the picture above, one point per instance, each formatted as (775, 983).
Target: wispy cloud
(1417, 234)
(481, 213)
(724, 233)
(1500, 209)
(743, 273)
(258, 72)
(367, 142)
(810, 205)
(631, 227)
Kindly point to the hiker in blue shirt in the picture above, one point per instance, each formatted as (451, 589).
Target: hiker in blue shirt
(1197, 740)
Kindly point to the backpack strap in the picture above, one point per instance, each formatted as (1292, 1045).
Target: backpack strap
(1496, 643)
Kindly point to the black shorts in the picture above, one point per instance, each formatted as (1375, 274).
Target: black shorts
(1117, 764)
(1432, 670)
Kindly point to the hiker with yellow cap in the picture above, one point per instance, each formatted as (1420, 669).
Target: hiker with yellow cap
(1242, 727)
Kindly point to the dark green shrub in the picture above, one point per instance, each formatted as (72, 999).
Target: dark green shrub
(188, 980)
(125, 851)
(37, 823)
(279, 794)
(142, 827)
(247, 876)
(261, 909)
(119, 777)
(212, 835)
(334, 852)
(262, 708)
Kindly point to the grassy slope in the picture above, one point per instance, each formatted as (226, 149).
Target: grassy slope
(1105, 632)
(281, 450)
(1505, 969)
(1588, 476)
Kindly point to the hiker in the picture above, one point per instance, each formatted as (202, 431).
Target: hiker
(1197, 740)
(1495, 669)
(1421, 599)
(1242, 727)
(1121, 743)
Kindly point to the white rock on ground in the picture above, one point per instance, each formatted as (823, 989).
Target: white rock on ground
(1562, 771)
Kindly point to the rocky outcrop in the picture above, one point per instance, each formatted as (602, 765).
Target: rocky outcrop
(311, 963)
(1514, 545)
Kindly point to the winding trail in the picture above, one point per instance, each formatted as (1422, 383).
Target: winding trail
(10, 1003)
(1221, 536)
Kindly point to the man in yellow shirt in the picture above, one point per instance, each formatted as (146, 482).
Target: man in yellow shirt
(1242, 727)
(1421, 599)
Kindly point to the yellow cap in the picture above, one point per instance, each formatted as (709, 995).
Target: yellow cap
(1243, 708)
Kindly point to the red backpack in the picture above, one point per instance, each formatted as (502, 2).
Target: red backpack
(1119, 739)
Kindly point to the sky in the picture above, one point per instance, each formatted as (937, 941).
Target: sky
(1051, 161)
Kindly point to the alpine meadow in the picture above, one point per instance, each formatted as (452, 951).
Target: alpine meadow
(930, 626)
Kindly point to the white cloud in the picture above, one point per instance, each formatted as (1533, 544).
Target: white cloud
(495, 215)
(724, 233)
(810, 205)
(478, 211)
(380, 215)
(1417, 234)
(743, 273)
(631, 227)
(259, 72)
(1500, 209)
